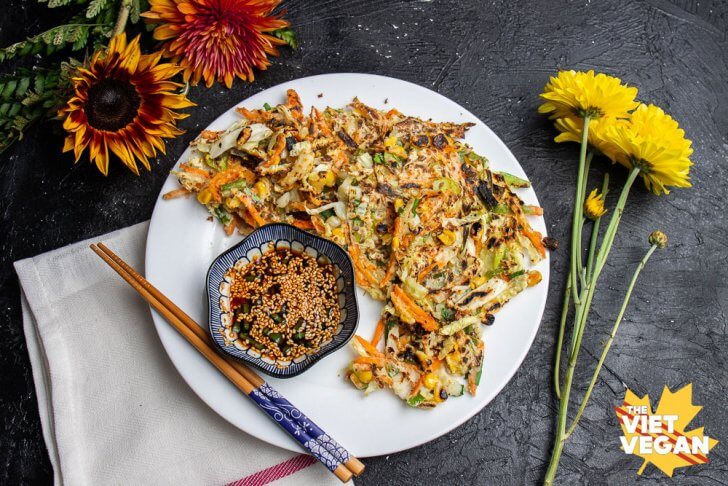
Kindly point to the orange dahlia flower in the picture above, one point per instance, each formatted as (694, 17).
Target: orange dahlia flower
(123, 102)
(217, 39)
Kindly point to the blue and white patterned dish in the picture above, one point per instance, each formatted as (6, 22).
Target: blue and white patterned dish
(260, 241)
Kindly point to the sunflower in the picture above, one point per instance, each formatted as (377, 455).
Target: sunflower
(598, 137)
(573, 93)
(217, 39)
(653, 142)
(122, 102)
(594, 206)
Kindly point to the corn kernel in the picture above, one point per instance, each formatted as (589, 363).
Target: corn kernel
(398, 151)
(390, 141)
(398, 203)
(261, 188)
(338, 232)
(204, 196)
(329, 179)
(365, 376)
(232, 202)
(447, 237)
(395, 242)
(430, 381)
(453, 361)
(476, 282)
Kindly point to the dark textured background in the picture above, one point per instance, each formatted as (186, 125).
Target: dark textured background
(493, 58)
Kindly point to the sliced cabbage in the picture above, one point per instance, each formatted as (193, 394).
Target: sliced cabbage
(413, 288)
(365, 160)
(225, 142)
(337, 206)
(455, 326)
(259, 132)
(444, 184)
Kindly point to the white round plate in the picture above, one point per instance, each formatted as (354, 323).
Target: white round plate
(182, 243)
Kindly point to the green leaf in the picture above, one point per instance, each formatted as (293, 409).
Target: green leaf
(57, 3)
(9, 89)
(22, 86)
(135, 12)
(287, 35)
(95, 8)
(51, 40)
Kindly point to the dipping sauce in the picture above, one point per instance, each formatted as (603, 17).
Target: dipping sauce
(285, 304)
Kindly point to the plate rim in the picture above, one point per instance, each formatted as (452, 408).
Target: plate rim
(292, 446)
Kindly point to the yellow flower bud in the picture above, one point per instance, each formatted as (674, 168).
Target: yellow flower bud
(594, 206)
(658, 238)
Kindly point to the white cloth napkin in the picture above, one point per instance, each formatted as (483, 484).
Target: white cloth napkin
(113, 408)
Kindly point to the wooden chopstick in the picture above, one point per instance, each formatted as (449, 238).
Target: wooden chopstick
(240, 375)
(350, 461)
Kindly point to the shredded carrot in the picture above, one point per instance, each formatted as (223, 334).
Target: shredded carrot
(535, 210)
(418, 385)
(247, 219)
(436, 363)
(535, 238)
(293, 101)
(195, 170)
(472, 387)
(230, 227)
(378, 332)
(176, 193)
(210, 135)
(303, 224)
(370, 360)
(274, 156)
(248, 203)
(392, 265)
(229, 175)
(368, 346)
(313, 199)
(253, 115)
(426, 271)
(320, 122)
(361, 265)
(318, 224)
(401, 299)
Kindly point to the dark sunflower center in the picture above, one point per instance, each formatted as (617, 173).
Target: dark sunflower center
(112, 104)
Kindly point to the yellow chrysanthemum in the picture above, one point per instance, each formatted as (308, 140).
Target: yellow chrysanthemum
(573, 93)
(594, 206)
(599, 133)
(653, 142)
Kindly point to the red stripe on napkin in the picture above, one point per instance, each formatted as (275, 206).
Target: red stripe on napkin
(276, 472)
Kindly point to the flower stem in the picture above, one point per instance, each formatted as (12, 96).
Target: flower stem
(610, 340)
(595, 233)
(601, 259)
(578, 215)
(560, 342)
(580, 318)
(122, 17)
(582, 197)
